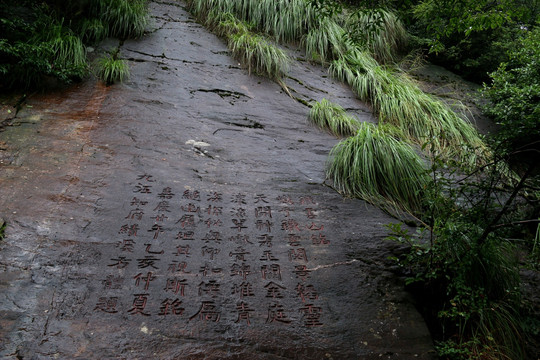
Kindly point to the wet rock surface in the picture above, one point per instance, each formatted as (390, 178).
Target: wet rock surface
(184, 215)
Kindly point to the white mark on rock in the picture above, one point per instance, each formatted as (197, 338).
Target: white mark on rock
(197, 143)
(334, 264)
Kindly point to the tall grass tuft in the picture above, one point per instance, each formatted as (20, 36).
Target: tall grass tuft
(400, 102)
(125, 18)
(376, 166)
(283, 20)
(111, 70)
(256, 52)
(326, 41)
(333, 117)
(92, 30)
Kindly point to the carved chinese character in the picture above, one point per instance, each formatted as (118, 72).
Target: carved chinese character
(260, 198)
(192, 195)
(268, 256)
(139, 303)
(241, 269)
(146, 279)
(135, 214)
(112, 282)
(243, 290)
(162, 206)
(265, 225)
(293, 239)
(311, 315)
(286, 211)
(239, 254)
(238, 224)
(314, 227)
(298, 254)
(148, 261)
(166, 193)
(206, 270)
(191, 208)
(306, 200)
(263, 211)
(174, 307)
(212, 236)
(107, 304)
(273, 290)
(145, 177)
(182, 250)
(178, 267)
(143, 189)
(157, 229)
(240, 239)
(150, 251)
(310, 214)
(319, 239)
(243, 312)
(126, 245)
(160, 217)
(301, 272)
(207, 312)
(239, 213)
(213, 223)
(277, 313)
(210, 288)
(307, 292)
(239, 199)
(185, 235)
(290, 225)
(265, 240)
(176, 285)
(136, 202)
(210, 251)
(285, 199)
(215, 197)
(272, 271)
(214, 210)
(120, 263)
(187, 221)
(130, 230)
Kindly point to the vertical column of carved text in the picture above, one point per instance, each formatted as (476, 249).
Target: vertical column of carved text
(209, 287)
(308, 294)
(128, 232)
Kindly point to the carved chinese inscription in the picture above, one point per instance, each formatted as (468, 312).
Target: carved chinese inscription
(211, 257)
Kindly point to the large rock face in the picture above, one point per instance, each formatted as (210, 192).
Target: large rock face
(184, 215)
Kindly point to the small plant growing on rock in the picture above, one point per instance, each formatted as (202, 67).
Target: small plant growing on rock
(110, 69)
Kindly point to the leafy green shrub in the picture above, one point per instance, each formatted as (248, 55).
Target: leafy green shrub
(111, 70)
(376, 166)
(514, 96)
(333, 117)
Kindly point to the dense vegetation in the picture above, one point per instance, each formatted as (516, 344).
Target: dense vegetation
(474, 201)
(46, 40)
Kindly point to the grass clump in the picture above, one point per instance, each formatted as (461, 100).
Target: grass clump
(125, 18)
(400, 102)
(254, 51)
(110, 69)
(376, 166)
(92, 30)
(325, 41)
(333, 117)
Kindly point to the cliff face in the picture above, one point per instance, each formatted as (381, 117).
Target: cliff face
(184, 214)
